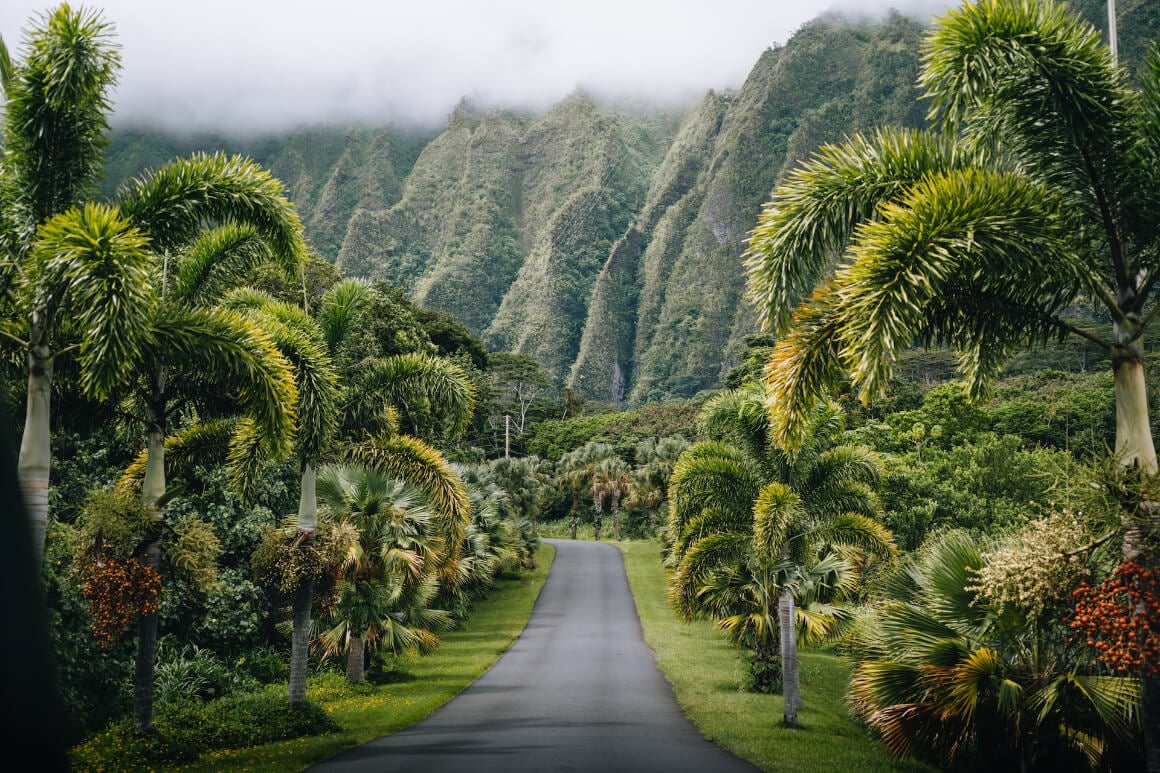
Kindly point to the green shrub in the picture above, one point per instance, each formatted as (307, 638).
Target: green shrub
(247, 720)
(268, 665)
(180, 735)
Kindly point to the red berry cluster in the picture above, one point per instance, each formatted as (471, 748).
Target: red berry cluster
(1121, 619)
(119, 592)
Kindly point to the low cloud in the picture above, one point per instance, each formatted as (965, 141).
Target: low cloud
(259, 64)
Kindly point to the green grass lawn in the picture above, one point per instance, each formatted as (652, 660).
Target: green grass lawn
(371, 711)
(706, 673)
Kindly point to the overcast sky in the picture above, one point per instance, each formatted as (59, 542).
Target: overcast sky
(263, 64)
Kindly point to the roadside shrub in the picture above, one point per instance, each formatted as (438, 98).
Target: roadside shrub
(181, 735)
(248, 720)
(268, 665)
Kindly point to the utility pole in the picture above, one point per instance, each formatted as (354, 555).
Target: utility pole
(507, 421)
(1112, 31)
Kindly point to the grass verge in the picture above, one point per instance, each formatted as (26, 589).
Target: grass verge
(706, 673)
(369, 711)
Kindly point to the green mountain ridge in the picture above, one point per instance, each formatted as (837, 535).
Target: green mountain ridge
(605, 241)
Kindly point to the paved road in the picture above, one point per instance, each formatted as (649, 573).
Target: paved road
(578, 691)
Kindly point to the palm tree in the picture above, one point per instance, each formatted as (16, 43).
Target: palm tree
(944, 670)
(575, 470)
(390, 579)
(611, 480)
(54, 133)
(752, 508)
(655, 460)
(497, 541)
(300, 338)
(645, 494)
(527, 483)
(1044, 191)
(744, 601)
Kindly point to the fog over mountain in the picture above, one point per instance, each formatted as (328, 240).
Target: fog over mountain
(265, 65)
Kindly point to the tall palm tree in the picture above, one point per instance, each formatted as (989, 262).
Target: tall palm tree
(946, 671)
(300, 338)
(1043, 191)
(194, 353)
(390, 579)
(750, 507)
(55, 129)
(575, 470)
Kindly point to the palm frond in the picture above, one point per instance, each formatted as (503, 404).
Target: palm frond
(412, 376)
(914, 274)
(299, 340)
(218, 259)
(812, 216)
(712, 475)
(411, 459)
(340, 308)
(703, 557)
(776, 511)
(1037, 76)
(1115, 701)
(804, 366)
(738, 415)
(202, 443)
(97, 265)
(56, 114)
(231, 351)
(856, 530)
(172, 202)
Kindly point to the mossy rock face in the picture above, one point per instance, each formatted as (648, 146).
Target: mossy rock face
(605, 241)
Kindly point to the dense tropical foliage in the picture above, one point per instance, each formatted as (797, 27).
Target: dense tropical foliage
(278, 473)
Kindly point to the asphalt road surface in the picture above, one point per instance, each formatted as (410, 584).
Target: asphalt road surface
(578, 691)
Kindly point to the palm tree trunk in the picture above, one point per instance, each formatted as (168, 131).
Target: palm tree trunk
(152, 489)
(355, 670)
(300, 639)
(791, 692)
(1133, 429)
(300, 631)
(36, 446)
(1134, 442)
(597, 518)
(575, 513)
(615, 518)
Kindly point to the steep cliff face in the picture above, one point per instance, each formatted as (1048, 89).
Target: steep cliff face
(329, 173)
(607, 242)
(505, 221)
(681, 263)
(587, 175)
